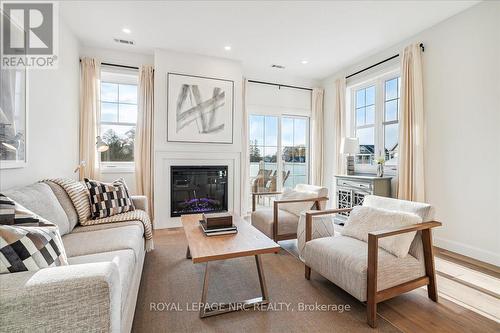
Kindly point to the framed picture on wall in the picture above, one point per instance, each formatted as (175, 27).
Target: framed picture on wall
(199, 109)
(13, 118)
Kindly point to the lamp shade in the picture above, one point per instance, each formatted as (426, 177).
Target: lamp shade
(101, 146)
(349, 146)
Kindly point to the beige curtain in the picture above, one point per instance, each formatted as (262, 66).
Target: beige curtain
(339, 124)
(245, 157)
(411, 127)
(89, 116)
(143, 146)
(317, 136)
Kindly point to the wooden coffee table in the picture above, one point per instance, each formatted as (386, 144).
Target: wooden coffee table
(247, 242)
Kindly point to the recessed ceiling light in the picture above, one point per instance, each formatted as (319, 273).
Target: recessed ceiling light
(227, 48)
(304, 62)
(126, 30)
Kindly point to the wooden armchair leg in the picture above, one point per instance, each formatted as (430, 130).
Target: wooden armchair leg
(371, 292)
(429, 264)
(307, 272)
(275, 222)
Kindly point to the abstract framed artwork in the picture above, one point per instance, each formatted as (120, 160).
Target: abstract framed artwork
(13, 118)
(199, 109)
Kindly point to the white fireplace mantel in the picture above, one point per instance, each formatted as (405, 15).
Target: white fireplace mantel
(165, 159)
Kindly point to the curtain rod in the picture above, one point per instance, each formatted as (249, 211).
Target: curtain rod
(380, 62)
(279, 85)
(116, 65)
(121, 66)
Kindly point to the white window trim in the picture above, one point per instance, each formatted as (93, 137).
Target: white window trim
(379, 82)
(117, 76)
(279, 185)
(117, 167)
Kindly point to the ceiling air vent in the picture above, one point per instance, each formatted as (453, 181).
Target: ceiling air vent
(278, 66)
(124, 41)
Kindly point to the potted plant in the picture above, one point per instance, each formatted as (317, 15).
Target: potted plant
(380, 165)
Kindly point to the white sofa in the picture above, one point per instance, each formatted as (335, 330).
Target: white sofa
(96, 292)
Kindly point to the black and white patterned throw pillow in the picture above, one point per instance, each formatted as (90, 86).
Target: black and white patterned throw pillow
(30, 248)
(108, 199)
(12, 213)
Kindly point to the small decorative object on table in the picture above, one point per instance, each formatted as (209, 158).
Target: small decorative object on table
(380, 166)
(218, 224)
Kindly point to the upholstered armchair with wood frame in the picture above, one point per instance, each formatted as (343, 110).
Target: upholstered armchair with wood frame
(367, 271)
(280, 222)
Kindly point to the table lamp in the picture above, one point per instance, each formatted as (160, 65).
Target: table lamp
(349, 147)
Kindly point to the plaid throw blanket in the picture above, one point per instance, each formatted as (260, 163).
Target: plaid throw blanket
(79, 196)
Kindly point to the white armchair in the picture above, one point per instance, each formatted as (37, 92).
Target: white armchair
(280, 222)
(368, 272)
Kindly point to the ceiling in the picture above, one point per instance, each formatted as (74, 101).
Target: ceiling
(328, 34)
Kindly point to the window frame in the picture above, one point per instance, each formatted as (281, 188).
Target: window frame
(124, 77)
(377, 80)
(279, 152)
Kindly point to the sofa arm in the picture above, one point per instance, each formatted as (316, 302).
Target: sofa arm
(78, 298)
(140, 202)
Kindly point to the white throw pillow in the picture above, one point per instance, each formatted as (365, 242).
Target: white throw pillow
(363, 220)
(298, 207)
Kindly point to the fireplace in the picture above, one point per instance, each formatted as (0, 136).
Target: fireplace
(198, 189)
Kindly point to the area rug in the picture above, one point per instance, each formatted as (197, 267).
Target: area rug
(171, 290)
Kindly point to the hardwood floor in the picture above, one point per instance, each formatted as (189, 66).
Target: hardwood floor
(469, 298)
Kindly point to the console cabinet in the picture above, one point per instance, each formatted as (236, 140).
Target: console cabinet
(351, 190)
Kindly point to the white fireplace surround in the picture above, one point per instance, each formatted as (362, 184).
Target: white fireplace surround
(164, 160)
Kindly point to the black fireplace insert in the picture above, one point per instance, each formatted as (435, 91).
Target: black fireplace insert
(198, 189)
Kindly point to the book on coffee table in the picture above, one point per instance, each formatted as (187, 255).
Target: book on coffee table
(213, 220)
(211, 229)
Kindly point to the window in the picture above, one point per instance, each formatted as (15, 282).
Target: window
(391, 118)
(365, 124)
(268, 135)
(294, 140)
(375, 116)
(118, 119)
(263, 151)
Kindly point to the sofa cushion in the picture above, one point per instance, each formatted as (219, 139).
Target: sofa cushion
(113, 238)
(124, 259)
(66, 204)
(262, 219)
(344, 261)
(363, 220)
(40, 199)
(102, 226)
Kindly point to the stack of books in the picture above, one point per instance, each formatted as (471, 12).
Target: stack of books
(218, 224)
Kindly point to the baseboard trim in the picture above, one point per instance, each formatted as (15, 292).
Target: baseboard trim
(467, 250)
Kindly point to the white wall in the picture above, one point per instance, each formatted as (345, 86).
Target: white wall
(52, 118)
(128, 58)
(461, 70)
(273, 100)
(120, 58)
(187, 63)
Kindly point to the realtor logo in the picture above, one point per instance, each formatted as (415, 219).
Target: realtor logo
(29, 32)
